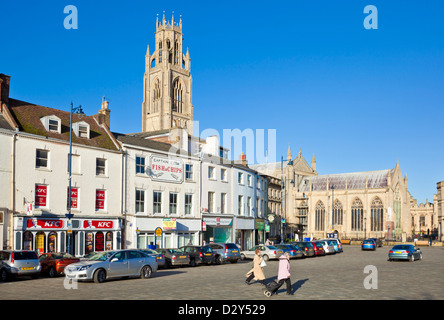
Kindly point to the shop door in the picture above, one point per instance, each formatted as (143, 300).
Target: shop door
(70, 242)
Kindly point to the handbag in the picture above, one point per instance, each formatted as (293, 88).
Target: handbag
(263, 264)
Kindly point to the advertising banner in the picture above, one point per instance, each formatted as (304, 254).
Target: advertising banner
(166, 169)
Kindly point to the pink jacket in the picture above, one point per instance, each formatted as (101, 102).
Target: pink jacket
(284, 268)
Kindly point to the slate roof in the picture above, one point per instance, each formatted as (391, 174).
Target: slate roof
(354, 180)
(27, 116)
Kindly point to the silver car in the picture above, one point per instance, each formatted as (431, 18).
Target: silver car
(328, 246)
(14, 263)
(267, 252)
(113, 264)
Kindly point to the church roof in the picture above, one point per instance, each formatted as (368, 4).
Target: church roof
(352, 180)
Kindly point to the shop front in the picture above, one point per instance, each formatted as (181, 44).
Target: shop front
(244, 232)
(217, 229)
(259, 229)
(85, 235)
(175, 232)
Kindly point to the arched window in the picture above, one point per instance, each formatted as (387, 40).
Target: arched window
(337, 213)
(156, 96)
(397, 207)
(160, 51)
(176, 49)
(319, 216)
(177, 96)
(357, 215)
(377, 215)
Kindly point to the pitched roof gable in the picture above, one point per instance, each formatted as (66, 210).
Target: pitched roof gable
(27, 116)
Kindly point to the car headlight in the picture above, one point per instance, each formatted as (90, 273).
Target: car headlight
(83, 268)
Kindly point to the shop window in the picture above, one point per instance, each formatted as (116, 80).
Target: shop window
(89, 242)
(52, 242)
(27, 240)
(109, 241)
(99, 239)
(40, 242)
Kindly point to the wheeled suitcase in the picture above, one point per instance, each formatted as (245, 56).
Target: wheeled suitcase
(272, 287)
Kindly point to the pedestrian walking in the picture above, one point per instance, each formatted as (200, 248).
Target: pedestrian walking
(257, 271)
(284, 271)
(283, 276)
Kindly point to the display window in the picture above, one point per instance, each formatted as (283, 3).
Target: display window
(52, 239)
(100, 199)
(109, 241)
(74, 197)
(99, 239)
(40, 240)
(27, 240)
(41, 196)
(89, 242)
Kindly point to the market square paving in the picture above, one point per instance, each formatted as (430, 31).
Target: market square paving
(339, 277)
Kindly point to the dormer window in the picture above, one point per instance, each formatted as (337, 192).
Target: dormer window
(81, 129)
(52, 123)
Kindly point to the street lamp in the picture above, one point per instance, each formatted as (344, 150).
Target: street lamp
(78, 110)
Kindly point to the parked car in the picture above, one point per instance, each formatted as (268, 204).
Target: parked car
(175, 257)
(160, 258)
(112, 264)
(336, 243)
(267, 252)
(306, 248)
(295, 251)
(405, 252)
(377, 241)
(225, 252)
(54, 263)
(368, 244)
(328, 247)
(318, 248)
(17, 263)
(199, 254)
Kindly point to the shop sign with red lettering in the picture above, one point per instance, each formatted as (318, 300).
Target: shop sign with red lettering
(98, 224)
(44, 223)
(166, 169)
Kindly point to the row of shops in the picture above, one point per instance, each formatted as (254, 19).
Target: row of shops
(86, 235)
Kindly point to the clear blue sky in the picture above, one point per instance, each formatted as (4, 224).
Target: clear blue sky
(360, 99)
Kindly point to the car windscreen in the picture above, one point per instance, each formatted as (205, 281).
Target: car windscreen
(368, 242)
(101, 256)
(401, 247)
(25, 255)
(271, 247)
(206, 250)
(231, 246)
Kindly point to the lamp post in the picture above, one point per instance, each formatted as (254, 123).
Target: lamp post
(78, 110)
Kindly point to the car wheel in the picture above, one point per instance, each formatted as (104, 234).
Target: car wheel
(420, 256)
(266, 258)
(218, 260)
(52, 273)
(193, 263)
(99, 276)
(412, 258)
(146, 272)
(243, 256)
(4, 276)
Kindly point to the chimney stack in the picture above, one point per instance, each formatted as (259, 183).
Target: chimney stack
(4, 87)
(104, 113)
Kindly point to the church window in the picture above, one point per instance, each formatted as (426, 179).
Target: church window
(397, 207)
(160, 51)
(357, 215)
(156, 96)
(177, 96)
(377, 214)
(319, 216)
(337, 213)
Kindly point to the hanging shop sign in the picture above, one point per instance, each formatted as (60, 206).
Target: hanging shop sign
(166, 169)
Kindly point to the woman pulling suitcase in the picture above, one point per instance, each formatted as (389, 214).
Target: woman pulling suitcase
(283, 276)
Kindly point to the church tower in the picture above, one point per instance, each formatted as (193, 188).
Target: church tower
(167, 83)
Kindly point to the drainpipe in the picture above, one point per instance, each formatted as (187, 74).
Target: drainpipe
(12, 206)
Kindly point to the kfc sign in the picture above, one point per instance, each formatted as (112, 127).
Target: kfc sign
(99, 224)
(44, 223)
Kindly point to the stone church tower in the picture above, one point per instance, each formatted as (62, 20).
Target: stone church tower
(167, 83)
